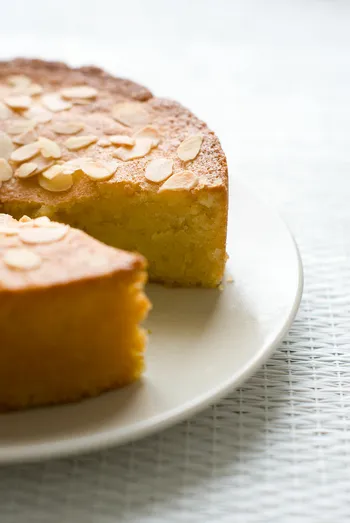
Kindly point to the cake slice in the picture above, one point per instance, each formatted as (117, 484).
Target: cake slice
(104, 155)
(70, 309)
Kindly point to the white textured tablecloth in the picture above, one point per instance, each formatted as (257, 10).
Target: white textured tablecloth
(273, 79)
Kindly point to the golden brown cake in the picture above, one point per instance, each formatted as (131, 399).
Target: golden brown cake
(103, 155)
(69, 313)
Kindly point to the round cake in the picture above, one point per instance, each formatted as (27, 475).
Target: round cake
(104, 155)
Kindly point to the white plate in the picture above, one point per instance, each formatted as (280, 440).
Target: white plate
(203, 343)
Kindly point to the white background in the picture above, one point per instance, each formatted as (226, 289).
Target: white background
(272, 78)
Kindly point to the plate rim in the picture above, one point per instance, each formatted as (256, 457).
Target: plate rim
(116, 437)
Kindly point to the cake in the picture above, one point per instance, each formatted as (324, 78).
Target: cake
(105, 156)
(70, 309)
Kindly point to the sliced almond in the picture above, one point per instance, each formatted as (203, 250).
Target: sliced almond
(79, 142)
(25, 138)
(22, 259)
(53, 171)
(159, 169)
(79, 91)
(60, 183)
(42, 164)
(67, 127)
(35, 235)
(149, 132)
(80, 101)
(121, 139)
(42, 221)
(53, 102)
(6, 146)
(8, 230)
(49, 148)
(33, 90)
(26, 152)
(130, 114)
(5, 170)
(104, 142)
(190, 147)
(26, 170)
(38, 114)
(19, 126)
(18, 102)
(4, 112)
(141, 148)
(99, 170)
(184, 180)
(25, 219)
(19, 80)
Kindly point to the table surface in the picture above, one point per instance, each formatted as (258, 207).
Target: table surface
(272, 79)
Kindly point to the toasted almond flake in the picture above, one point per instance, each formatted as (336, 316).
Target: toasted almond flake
(18, 102)
(67, 127)
(184, 180)
(53, 171)
(149, 132)
(49, 148)
(34, 235)
(19, 80)
(8, 230)
(42, 221)
(189, 148)
(26, 152)
(80, 101)
(22, 259)
(19, 126)
(130, 114)
(99, 170)
(53, 102)
(79, 142)
(6, 146)
(5, 170)
(159, 169)
(141, 148)
(25, 219)
(34, 90)
(25, 138)
(79, 91)
(4, 112)
(104, 142)
(26, 170)
(42, 164)
(60, 183)
(38, 114)
(121, 139)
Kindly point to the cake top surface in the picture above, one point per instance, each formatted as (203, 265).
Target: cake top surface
(66, 132)
(40, 253)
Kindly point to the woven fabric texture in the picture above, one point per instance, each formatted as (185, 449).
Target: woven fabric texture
(273, 79)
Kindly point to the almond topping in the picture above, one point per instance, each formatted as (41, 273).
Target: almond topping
(184, 180)
(25, 138)
(22, 259)
(159, 170)
(6, 146)
(141, 148)
(79, 91)
(130, 114)
(49, 148)
(26, 152)
(18, 102)
(5, 170)
(33, 90)
(60, 183)
(120, 139)
(53, 102)
(26, 170)
(42, 163)
(38, 114)
(104, 142)
(189, 148)
(42, 221)
(8, 230)
(149, 132)
(67, 127)
(19, 80)
(99, 170)
(35, 235)
(4, 112)
(53, 171)
(25, 219)
(19, 126)
(78, 142)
